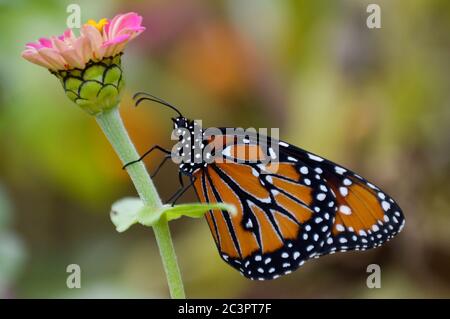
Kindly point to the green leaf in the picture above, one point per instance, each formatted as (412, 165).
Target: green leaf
(124, 212)
(194, 210)
(129, 211)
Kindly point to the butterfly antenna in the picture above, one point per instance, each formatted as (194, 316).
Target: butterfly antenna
(142, 96)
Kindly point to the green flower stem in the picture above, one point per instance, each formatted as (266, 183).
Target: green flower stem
(112, 125)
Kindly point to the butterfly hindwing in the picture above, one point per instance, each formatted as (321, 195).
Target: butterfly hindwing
(366, 216)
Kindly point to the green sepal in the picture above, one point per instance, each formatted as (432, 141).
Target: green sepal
(89, 90)
(112, 75)
(71, 95)
(109, 94)
(97, 87)
(94, 72)
(72, 84)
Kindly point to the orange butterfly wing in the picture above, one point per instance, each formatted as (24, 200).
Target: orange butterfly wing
(303, 207)
(366, 217)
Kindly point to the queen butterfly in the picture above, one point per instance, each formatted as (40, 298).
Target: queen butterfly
(303, 207)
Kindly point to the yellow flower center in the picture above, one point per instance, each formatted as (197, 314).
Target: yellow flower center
(99, 25)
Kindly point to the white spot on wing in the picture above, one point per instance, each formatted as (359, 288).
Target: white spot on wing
(321, 196)
(347, 182)
(385, 205)
(315, 158)
(344, 209)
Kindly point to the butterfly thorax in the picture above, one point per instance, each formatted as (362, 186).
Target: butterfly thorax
(189, 148)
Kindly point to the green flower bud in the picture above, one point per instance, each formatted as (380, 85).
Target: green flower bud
(97, 87)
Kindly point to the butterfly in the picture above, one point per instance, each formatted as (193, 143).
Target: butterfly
(292, 205)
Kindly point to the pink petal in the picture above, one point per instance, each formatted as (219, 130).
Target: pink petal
(54, 58)
(130, 21)
(77, 53)
(36, 58)
(123, 21)
(95, 39)
(84, 50)
(121, 29)
(119, 48)
(45, 42)
(34, 45)
(59, 44)
(68, 34)
(73, 59)
(112, 47)
(116, 40)
(134, 32)
(112, 24)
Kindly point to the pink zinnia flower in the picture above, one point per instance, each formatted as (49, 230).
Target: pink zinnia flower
(96, 41)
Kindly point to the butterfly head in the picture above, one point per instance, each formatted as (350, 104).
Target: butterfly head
(189, 133)
(180, 121)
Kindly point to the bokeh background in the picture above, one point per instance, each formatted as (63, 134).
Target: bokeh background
(376, 101)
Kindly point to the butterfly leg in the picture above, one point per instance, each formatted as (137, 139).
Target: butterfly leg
(174, 198)
(180, 178)
(156, 147)
(160, 166)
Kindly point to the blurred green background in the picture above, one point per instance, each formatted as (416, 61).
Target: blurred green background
(376, 101)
